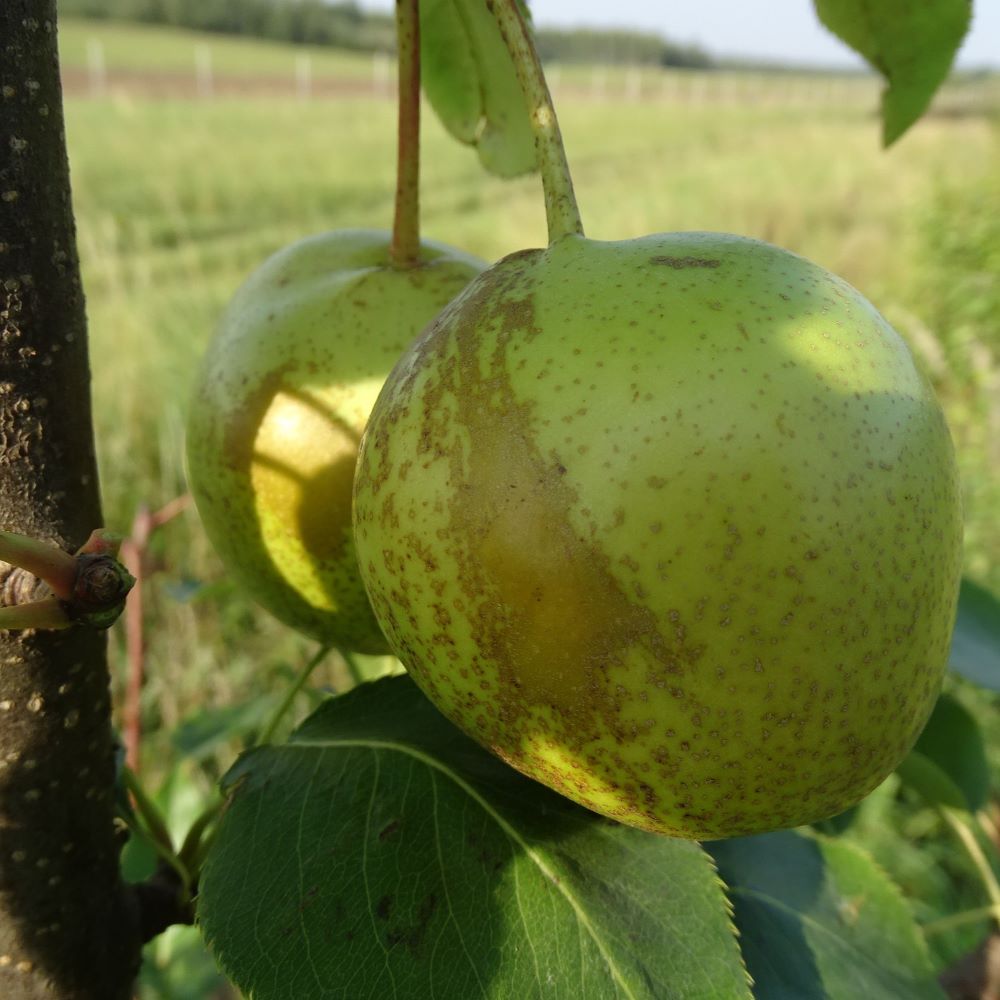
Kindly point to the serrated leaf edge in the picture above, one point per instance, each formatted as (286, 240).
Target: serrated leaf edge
(890, 882)
(730, 918)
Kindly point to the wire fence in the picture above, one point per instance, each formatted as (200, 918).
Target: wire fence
(305, 80)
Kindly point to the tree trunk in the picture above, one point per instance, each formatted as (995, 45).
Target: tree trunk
(68, 926)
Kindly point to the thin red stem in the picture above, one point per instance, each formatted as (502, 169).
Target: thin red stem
(133, 555)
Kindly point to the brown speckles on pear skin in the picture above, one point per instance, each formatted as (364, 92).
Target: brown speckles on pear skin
(563, 615)
(699, 623)
(285, 392)
(678, 263)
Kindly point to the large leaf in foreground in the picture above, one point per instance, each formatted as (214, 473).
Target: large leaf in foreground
(469, 79)
(911, 44)
(382, 853)
(819, 921)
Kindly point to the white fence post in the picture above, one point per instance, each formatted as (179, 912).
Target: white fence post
(97, 72)
(381, 65)
(633, 84)
(598, 80)
(203, 71)
(303, 77)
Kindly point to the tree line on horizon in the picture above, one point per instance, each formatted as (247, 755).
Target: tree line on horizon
(347, 26)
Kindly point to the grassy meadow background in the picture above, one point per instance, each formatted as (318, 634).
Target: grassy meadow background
(183, 184)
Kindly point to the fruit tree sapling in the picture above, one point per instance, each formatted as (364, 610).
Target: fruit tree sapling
(68, 924)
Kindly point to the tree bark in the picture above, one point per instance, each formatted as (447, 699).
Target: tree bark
(68, 927)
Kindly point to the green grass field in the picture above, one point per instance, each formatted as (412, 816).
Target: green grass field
(177, 200)
(105, 56)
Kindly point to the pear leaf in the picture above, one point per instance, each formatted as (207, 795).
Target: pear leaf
(975, 643)
(203, 732)
(930, 780)
(818, 920)
(469, 79)
(953, 740)
(381, 852)
(911, 44)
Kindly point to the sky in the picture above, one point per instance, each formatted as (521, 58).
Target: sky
(782, 30)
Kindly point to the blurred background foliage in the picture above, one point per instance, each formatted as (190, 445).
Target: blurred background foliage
(348, 26)
(189, 168)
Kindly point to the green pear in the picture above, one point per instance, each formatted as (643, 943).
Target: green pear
(671, 525)
(284, 392)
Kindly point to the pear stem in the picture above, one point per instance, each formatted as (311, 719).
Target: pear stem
(49, 563)
(405, 249)
(983, 867)
(47, 613)
(156, 828)
(297, 685)
(353, 668)
(954, 920)
(200, 835)
(561, 211)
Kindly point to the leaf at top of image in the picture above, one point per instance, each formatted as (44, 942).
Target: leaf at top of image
(819, 920)
(381, 852)
(911, 44)
(469, 79)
